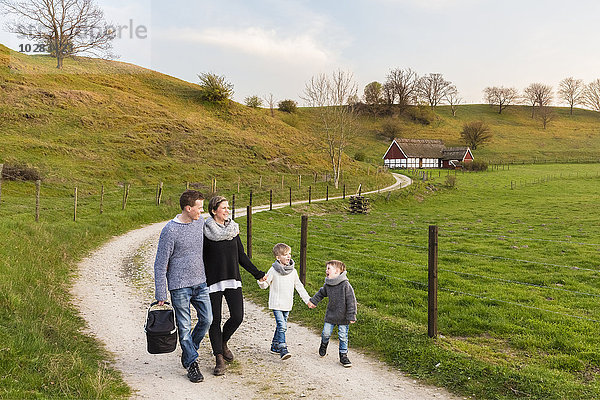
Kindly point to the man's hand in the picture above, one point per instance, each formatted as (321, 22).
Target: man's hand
(311, 305)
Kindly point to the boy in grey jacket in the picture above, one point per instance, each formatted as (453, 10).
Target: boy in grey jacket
(341, 309)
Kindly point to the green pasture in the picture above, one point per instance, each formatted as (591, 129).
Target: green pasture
(518, 278)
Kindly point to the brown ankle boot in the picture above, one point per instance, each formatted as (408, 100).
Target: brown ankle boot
(227, 354)
(220, 365)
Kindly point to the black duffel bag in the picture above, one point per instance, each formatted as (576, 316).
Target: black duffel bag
(161, 332)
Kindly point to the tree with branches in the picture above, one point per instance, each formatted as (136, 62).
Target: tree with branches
(538, 94)
(500, 96)
(64, 27)
(372, 93)
(591, 95)
(571, 91)
(433, 89)
(332, 96)
(270, 100)
(546, 115)
(214, 88)
(403, 84)
(453, 99)
(475, 133)
(253, 101)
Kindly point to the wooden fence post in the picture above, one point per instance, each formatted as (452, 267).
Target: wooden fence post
(282, 176)
(239, 179)
(160, 192)
(309, 194)
(290, 196)
(327, 193)
(250, 201)
(344, 192)
(299, 181)
(102, 199)
(249, 231)
(432, 308)
(303, 246)
(233, 206)
(38, 185)
(271, 200)
(75, 205)
(125, 194)
(260, 183)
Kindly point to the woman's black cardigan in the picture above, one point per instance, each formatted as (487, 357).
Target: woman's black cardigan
(222, 259)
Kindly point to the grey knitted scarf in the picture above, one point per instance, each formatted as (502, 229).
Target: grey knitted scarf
(218, 232)
(283, 269)
(337, 280)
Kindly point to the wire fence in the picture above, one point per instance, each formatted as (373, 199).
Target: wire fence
(319, 238)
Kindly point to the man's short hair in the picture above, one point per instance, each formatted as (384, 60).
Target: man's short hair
(189, 197)
(213, 204)
(338, 264)
(280, 249)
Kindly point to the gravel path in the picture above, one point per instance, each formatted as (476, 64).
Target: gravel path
(114, 287)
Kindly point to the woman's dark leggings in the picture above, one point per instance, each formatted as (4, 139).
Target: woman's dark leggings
(235, 303)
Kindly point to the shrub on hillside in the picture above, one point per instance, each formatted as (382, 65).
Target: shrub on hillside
(359, 156)
(390, 129)
(253, 101)
(214, 87)
(287, 105)
(20, 172)
(421, 114)
(475, 165)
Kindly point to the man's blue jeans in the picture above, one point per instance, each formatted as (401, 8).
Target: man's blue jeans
(190, 340)
(342, 335)
(281, 318)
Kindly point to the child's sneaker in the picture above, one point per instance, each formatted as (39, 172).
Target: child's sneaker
(323, 349)
(344, 360)
(284, 353)
(275, 348)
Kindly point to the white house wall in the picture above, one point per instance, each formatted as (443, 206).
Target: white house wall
(412, 163)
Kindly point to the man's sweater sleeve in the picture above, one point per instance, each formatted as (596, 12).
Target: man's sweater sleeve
(320, 295)
(350, 303)
(161, 263)
(245, 261)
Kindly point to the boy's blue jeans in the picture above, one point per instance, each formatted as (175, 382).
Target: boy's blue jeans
(342, 335)
(190, 340)
(281, 318)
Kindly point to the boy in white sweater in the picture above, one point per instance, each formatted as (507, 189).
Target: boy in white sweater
(283, 278)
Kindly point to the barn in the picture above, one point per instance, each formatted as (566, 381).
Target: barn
(424, 153)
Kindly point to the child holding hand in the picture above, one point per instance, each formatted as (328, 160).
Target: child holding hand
(282, 278)
(341, 309)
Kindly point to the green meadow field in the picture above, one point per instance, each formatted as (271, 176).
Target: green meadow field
(518, 278)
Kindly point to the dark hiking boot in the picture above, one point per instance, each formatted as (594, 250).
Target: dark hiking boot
(219, 366)
(275, 348)
(284, 353)
(227, 354)
(344, 360)
(323, 349)
(194, 373)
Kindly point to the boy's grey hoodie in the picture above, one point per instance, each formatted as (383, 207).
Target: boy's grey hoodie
(342, 302)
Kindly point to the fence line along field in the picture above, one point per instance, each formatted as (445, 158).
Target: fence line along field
(518, 278)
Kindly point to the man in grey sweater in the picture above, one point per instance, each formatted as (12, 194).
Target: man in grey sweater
(179, 267)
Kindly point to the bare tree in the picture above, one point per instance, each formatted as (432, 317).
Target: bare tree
(571, 91)
(591, 95)
(433, 89)
(270, 100)
(67, 27)
(372, 93)
(546, 115)
(389, 96)
(538, 94)
(404, 84)
(475, 133)
(500, 96)
(332, 96)
(453, 99)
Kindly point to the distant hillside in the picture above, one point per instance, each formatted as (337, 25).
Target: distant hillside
(99, 119)
(112, 120)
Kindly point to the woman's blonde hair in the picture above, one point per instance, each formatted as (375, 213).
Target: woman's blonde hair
(338, 264)
(213, 204)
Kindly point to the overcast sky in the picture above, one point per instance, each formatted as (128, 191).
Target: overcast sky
(265, 46)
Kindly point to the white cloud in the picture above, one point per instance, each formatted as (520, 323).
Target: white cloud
(259, 42)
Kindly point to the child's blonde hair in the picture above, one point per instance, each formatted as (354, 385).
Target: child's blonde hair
(280, 249)
(338, 264)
